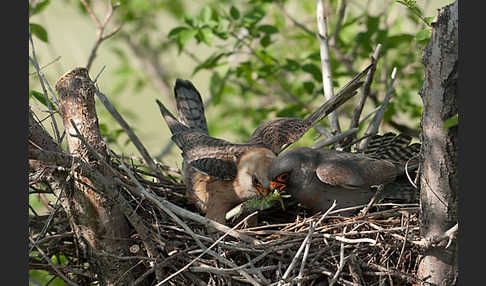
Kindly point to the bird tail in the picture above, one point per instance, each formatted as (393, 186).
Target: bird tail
(395, 148)
(190, 107)
(174, 125)
(345, 93)
(400, 189)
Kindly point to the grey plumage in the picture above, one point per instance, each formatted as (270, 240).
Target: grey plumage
(317, 177)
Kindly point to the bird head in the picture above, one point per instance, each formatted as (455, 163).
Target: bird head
(290, 168)
(252, 174)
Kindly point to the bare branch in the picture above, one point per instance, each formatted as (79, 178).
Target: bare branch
(375, 124)
(56, 269)
(326, 64)
(101, 28)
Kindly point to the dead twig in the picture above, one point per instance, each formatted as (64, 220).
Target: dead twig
(101, 25)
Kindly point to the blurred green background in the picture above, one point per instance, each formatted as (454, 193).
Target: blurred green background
(72, 33)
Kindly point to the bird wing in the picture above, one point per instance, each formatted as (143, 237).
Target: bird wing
(350, 170)
(280, 133)
(175, 125)
(345, 93)
(211, 156)
(190, 107)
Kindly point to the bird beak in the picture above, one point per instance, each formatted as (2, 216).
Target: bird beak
(277, 186)
(262, 191)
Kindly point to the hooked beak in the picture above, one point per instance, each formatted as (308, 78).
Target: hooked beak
(262, 191)
(277, 186)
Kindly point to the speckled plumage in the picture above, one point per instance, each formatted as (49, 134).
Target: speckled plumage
(279, 133)
(317, 177)
(218, 174)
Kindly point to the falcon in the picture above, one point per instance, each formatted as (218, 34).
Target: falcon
(218, 174)
(317, 177)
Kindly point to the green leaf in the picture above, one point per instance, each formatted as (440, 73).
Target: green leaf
(429, 20)
(268, 29)
(451, 121)
(423, 36)
(308, 86)
(205, 14)
(265, 41)
(314, 70)
(216, 86)
(174, 32)
(206, 35)
(185, 36)
(210, 62)
(234, 13)
(41, 98)
(396, 40)
(39, 7)
(39, 32)
(291, 65)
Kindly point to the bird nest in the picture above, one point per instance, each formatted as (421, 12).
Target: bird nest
(375, 244)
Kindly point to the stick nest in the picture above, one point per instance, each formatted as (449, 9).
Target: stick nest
(291, 246)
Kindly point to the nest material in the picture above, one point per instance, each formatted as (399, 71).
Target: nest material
(290, 246)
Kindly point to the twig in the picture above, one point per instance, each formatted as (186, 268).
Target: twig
(304, 260)
(138, 144)
(42, 80)
(342, 261)
(101, 28)
(334, 139)
(429, 242)
(408, 175)
(297, 255)
(339, 21)
(46, 65)
(306, 239)
(379, 190)
(206, 251)
(326, 64)
(52, 264)
(293, 20)
(404, 241)
(375, 123)
(365, 91)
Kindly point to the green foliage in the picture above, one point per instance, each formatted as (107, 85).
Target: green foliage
(451, 121)
(38, 31)
(41, 98)
(39, 7)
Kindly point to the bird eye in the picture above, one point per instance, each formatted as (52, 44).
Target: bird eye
(283, 177)
(256, 183)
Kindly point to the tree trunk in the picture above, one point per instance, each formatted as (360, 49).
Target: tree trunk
(99, 224)
(439, 180)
